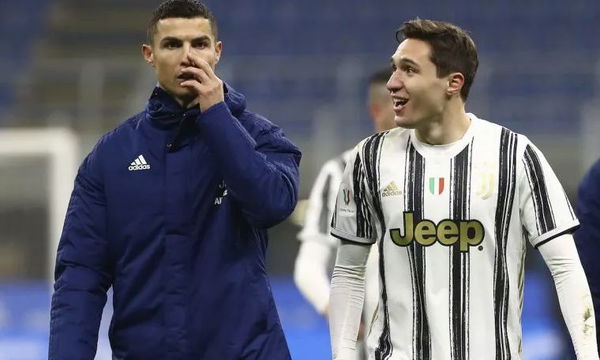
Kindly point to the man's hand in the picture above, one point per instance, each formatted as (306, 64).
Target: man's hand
(203, 81)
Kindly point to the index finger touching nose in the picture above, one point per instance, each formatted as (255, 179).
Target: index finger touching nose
(197, 61)
(202, 64)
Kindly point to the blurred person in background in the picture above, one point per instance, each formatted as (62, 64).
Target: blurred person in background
(452, 239)
(317, 249)
(587, 237)
(171, 210)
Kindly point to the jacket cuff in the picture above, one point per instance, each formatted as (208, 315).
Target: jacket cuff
(218, 110)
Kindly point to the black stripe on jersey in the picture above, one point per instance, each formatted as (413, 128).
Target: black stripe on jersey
(324, 212)
(569, 205)
(414, 184)
(541, 201)
(362, 214)
(460, 183)
(521, 278)
(566, 231)
(506, 192)
(372, 155)
(334, 216)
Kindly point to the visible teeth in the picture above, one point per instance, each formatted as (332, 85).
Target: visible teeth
(400, 102)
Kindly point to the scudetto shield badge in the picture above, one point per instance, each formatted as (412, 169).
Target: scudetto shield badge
(436, 187)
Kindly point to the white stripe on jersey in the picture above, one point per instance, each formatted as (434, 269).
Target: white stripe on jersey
(450, 222)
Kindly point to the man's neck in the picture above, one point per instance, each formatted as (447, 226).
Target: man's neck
(186, 103)
(451, 126)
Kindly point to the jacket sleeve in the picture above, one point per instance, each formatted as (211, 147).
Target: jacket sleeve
(260, 170)
(81, 274)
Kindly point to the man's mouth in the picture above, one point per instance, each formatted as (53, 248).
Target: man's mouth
(399, 102)
(185, 76)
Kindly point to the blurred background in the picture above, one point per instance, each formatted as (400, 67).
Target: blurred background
(72, 70)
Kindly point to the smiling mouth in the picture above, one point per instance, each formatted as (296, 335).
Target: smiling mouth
(400, 102)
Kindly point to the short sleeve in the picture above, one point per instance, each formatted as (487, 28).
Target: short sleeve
(352, 217)
(544, 207)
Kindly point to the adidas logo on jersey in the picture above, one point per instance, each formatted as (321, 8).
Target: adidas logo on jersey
(391, 190)
(447, 232)
(139, 164)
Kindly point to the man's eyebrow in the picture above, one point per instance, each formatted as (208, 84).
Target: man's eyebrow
(408, 61)
(403, 61)
(202, 38)
(173, 38)
(169, 38)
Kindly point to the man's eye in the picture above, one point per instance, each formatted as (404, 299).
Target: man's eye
(201, 45)
(409, 70)
(171, 45)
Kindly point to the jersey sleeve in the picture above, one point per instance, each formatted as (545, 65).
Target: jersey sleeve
(320, 204)
(352, 217)
(545, 209)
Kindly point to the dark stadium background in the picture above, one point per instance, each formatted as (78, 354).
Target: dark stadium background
(76, 65)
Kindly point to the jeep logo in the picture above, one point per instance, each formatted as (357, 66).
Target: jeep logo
(447, 232)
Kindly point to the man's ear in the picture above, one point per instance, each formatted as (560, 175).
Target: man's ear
(218, 50)
(148, 54)
(455, 83)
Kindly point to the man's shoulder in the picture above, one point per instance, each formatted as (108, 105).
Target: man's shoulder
(483, 126)
(112, 143)
(114, 139)
(256, 124)
(590, 182)
(373, 142)
(122, 130)
(492, 134)
(265, 133)
(595, 170)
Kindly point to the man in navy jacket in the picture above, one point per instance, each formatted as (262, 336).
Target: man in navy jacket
(171, 210)
(587, 237)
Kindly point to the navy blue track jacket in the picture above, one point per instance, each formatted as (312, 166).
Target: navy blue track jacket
(170, 209)
(587, 237)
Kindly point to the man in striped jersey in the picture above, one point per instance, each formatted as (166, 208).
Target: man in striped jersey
(317, 250)
(452, 239)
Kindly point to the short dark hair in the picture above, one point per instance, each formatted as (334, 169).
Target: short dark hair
(180, 9)
(376, 80)
(380, 76)
(452, 49)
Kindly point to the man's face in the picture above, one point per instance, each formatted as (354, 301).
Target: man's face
(419, 96)
(174, 39)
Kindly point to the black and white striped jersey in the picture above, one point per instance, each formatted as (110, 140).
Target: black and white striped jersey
(451, 223)
(321, 202)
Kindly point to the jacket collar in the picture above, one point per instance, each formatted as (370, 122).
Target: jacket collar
(165, 113)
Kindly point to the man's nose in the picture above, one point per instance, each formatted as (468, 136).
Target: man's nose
(184, 54)
(394, 82)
